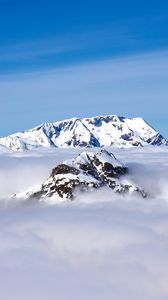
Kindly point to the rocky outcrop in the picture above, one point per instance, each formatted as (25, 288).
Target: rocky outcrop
(87, 171)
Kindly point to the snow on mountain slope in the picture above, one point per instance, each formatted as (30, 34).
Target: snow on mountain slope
(101, 131)
(87, 171)
(4, 149)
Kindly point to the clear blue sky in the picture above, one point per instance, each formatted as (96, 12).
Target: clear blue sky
(60, 59)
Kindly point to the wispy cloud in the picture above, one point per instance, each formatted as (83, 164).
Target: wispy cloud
(131, 86)
(117, 38)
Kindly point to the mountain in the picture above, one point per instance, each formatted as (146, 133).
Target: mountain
(86, 171)
(101, 131)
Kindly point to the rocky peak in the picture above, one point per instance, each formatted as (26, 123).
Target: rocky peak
(87, 170)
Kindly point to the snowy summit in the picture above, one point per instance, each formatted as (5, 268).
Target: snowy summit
(100, 131)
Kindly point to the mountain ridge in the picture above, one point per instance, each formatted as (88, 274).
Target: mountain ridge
(98, 131)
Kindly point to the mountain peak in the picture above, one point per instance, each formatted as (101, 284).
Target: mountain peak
(99, 131)
(89, 170)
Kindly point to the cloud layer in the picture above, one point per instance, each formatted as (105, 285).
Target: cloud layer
(99, 247)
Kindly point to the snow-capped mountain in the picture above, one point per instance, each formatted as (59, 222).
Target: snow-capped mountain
(101, 131)
(86, 171)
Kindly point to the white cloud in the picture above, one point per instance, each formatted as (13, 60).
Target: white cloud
(112, 248)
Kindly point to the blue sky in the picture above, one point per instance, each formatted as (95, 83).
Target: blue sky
(60, 59)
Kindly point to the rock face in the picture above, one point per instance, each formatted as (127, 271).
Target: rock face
(100, 131)
(88, 170)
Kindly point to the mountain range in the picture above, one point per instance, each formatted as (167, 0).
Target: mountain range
(100, 131)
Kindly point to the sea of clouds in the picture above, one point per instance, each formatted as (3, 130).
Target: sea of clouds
(100, 246)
